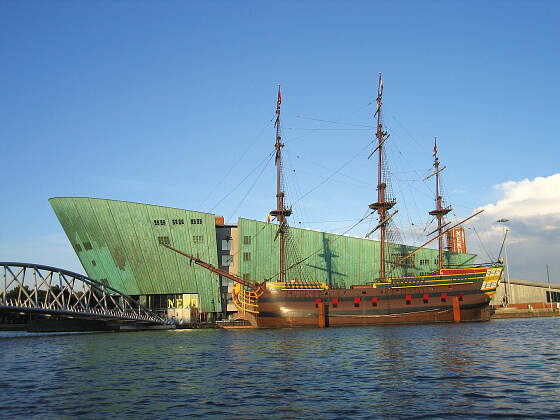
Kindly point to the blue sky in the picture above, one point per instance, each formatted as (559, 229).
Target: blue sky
(170, 103)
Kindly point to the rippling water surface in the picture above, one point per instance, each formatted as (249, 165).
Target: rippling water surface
(508, 368)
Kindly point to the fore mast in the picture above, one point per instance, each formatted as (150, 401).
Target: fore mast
(440, 211)
(383, 205)
(281, 213)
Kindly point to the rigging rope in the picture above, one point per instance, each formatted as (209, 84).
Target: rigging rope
(251, 187)
(366, 215)
(243, 180)
(334, 173)
(236, 162)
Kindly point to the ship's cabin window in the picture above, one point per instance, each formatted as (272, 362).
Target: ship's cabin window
(444, 297)
(426, 298)
(196, 221)
(374, 301)
(226, 244)
(356, 302)
(408, 299)
(461, 297)
(246, 256)
(318, 302)
(246, 240)
(227, 260)
(335, 303)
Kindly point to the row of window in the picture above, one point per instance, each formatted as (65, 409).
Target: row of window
(227, 243)
(375, 300)
(197, 239)
(427, 261)
(87, 246)
(552, 296)
(161, 222)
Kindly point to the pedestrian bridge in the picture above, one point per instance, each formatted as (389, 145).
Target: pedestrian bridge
(49, 291)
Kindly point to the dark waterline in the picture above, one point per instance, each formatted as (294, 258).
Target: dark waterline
(508, 368)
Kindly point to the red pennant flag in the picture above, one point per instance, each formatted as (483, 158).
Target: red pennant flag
(435, 146)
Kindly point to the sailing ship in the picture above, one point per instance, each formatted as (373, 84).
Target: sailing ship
(447, 295)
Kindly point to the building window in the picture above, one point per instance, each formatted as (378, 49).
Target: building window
(87, 245)
(247, 277)
(552, 296)
(77, 247)
(163, 240)
(198, 239)
(159, 222)
(424, 262)
(93, 263)
(227, 260)
(226, 244)
(196, 221)
(246, 240)
(436, 261)
(246, 256)
(409, 262)
(178, 221)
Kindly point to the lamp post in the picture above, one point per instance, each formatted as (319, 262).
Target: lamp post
(507, 287)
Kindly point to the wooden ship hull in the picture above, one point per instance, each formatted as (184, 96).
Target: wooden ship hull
(449, 296)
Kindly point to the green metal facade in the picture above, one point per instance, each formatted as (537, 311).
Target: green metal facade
(334, 259)
(119, 243)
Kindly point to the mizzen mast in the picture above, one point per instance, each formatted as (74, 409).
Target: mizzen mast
(281, 213)
(440, 211)
(383, 205)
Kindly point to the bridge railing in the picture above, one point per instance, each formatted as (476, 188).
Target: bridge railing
(36, 288)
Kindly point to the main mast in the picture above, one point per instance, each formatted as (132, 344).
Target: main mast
(281, 212)
(382, 206)
(440, 211)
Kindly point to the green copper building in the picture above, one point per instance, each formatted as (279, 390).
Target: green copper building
(120, 244)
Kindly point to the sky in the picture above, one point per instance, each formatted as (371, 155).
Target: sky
(171, 103)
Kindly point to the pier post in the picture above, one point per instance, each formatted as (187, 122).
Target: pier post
(321, 319)
(456, 310)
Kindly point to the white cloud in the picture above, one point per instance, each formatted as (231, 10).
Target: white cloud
(533, 210)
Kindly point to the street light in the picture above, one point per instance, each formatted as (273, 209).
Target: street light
(507, 288)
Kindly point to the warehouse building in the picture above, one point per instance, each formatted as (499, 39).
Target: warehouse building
(525, 294)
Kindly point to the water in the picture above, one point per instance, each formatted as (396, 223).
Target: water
(507, 368)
